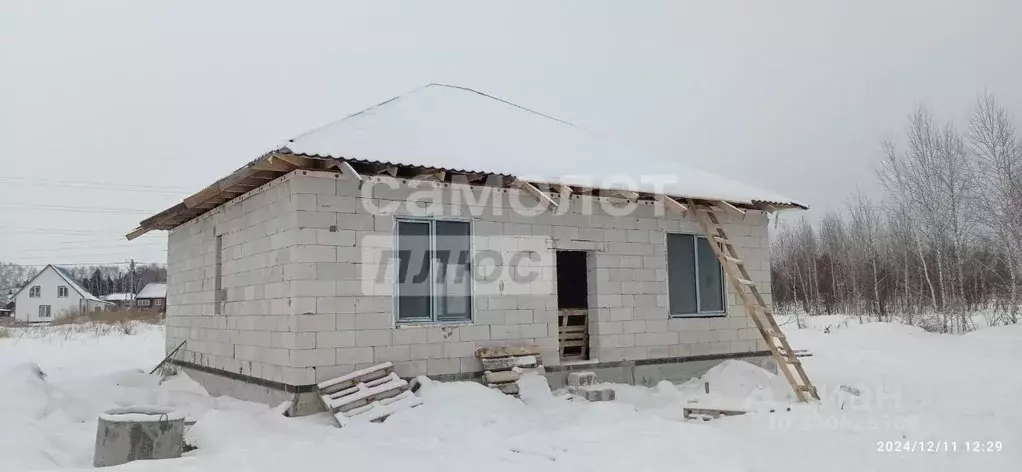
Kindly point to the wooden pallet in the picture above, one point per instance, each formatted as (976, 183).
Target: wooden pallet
(573, 333)
(738, 277)
(370, 394)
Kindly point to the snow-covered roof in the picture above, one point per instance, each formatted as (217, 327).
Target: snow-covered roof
(153, 290)
(118, 297)
(460, 129)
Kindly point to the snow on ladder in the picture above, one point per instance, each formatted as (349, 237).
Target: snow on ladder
(755, 305)
(370, 394)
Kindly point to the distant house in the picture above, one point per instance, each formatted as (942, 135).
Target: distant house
(152, 297)
(53, 292)
(120, 300)
(7, 309)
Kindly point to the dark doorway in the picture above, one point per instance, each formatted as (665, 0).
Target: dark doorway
(573, 304)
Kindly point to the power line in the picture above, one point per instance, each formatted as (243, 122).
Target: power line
(100, 239)
(102, 254)
(135, 211)
(80, 264)
(95, 185)
(75, 248)
(69, 232)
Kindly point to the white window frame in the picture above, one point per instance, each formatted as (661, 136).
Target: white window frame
(144, 302)
(158, 301)
(35, 291)
(62, 288)
(49, 311)
(432, 319)
(723, 281)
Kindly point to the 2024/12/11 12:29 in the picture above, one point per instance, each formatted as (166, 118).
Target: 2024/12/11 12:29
(939, 446)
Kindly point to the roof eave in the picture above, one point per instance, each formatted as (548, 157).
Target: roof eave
(277, 163)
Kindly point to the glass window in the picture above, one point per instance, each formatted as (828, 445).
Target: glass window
(413, 251)
(453, 281)
(44, 311)
(62, 291)
(711, 281)
(434, 270)
(695, 278)
(34, 291)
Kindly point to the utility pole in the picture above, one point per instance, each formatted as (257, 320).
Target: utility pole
(131, 278)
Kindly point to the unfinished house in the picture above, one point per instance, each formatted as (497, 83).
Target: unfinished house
(446, 220)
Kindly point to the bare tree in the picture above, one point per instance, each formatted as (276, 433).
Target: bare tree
(834, 241)
(12, 278)
(998, 153)
(867, 234)
(946, 241)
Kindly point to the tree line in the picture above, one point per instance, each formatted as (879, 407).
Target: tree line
(943, 242)
(97, 280)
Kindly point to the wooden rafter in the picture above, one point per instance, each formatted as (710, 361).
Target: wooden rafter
(137, 232)
(277, 163)
(671, 203)
(628, 194)
(202, 196)
(273, 163)
(377, 168)
(535, 192)
(430, 175)
(729, 206)
(349, 171)
(295, 160)
(265, 175)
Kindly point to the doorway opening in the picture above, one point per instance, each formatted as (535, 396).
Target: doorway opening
(573, 304)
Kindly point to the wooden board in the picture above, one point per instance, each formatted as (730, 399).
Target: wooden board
(369, 394)
(706, 413)
(349, 380)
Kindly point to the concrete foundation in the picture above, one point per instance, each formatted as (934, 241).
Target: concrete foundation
(138, 433)
(305, 400)
(648, 374)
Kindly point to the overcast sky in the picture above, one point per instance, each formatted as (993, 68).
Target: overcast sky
(112, 111)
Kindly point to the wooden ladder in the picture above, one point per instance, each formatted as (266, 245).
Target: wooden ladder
(757, 308)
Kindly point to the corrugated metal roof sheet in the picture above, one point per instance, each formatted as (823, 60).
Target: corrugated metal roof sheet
(459, 129)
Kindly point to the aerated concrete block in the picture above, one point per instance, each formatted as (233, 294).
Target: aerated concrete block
(593, 394)
(583, 378)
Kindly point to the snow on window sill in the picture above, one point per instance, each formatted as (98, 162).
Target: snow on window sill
(721, 314)
(432, 324)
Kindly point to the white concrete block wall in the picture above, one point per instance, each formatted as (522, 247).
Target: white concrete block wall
(252, 335)
(310, 292)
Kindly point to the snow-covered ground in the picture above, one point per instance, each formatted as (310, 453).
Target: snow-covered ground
(913, 388)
